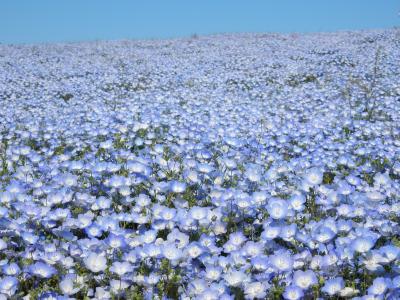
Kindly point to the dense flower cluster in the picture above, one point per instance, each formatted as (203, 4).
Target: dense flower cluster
(224, 167)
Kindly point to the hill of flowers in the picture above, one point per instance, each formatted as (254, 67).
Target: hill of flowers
(244, 166)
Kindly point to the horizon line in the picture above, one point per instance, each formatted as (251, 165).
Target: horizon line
(194, 35)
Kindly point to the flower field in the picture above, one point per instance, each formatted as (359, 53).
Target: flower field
(244, 166)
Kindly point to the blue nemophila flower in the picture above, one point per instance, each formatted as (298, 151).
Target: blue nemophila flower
(11, 269)
(374, 261)
(198, 213)
(253, 173)
(101, 203)
(344, 225)
(8, 285)
(271, 231)
(152, 279)
(304, 279)
(243, 202)
(204, 168)
(6, 197)
(196, 287)
(236, 278)
(171, 252)
(293, 293)
(192, 176)
(260, 263)
(282, 261)
(121, 268)
(313, 176)
(193, 250)
(353, 180)
(84, 220)
(277, 208)
(148, 236)
(297, 202)
(69, 286)
(3, 244)
(117, 181)
(208, 294)
(95, 262)
(68, 180)
(213, 273)
(178, 187)
(379, 286)
(344, 188)
(118, 286)
(15, 188)
(323, 234)
(363, 244)
(333, 286)
(180, 239)
(348, 292)
(252, 249)
(288, 232)
(60, 214)
(375, 196)
(151, 250)
(106, 144)
(396, 282)
(255, 290)
(51, 296)
(42, 270)
(168, 214)
(381, 179)
(259, 197)
(142, 200)
(390, 252)
(237, 238)
(107, 223)
(94, 230)
(116, 241)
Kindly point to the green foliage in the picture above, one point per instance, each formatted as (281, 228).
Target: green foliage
(136, 293)
(295, 80)
(328, 178)
(142, 133)
(190, 195)
(59, 150)
(311, 205)
(368, 178)
(119, 141)
(396, 241)
(143, 269)
(163, 233)
(36, 287)
(33, 144)
(238, 293)
(80, 154)
(347, 131)
(3, 157)
(168, 285)
(277, 290)
(77, 210)
(380, 164)
(66, 97)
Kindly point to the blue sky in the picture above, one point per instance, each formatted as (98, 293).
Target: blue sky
(33, 21)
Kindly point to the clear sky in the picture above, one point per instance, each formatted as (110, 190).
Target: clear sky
(33, 21)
